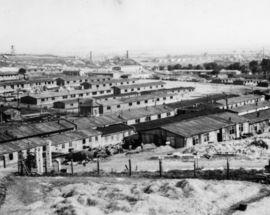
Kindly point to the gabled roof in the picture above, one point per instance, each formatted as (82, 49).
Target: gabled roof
(156, 83)
(239, 99)
(135, 99)
(34, 129)
(251, 107)
(263, 115)
(92, 122)
(56, 139)
(155, 124)
(229, 117)
(49, 94)
(195, 126)
(167, 90)
(200, 100)
(114, 129)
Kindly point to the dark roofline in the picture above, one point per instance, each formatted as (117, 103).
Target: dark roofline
(116, 128)
(200, 100)
(201, 132)
(42, 134)
(160, 122)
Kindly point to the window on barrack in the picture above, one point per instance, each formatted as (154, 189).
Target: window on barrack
(232, 130)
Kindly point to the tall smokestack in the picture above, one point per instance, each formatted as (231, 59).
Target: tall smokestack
(226, 100)
(91, 56)
(127, 56)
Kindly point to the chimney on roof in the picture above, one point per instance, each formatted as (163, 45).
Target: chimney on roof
(230, 119)
(91, 56)
(258, 114)
(226, 100)
(127, 56)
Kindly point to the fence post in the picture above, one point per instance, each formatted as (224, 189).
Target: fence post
(4, 161)
(71, 166)
(228, 169)
(46, 169)
(160, 166)
(21, 164)
(129, 167)
(97, 166)
(194, 171)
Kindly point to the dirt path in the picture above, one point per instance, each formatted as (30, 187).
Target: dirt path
(264, 193)
(3, 190)
(4, 179)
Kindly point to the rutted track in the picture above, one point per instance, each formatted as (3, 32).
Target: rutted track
(264, 193)
(3, 190)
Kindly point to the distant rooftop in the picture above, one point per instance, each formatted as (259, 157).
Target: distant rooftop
(141, 85)
(239, 99)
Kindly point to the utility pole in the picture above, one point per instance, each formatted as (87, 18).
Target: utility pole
(91, 56)
(12, 50)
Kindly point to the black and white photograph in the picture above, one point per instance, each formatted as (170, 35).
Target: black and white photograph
(134, 107)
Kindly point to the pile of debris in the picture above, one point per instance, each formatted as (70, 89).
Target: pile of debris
(107, 151)
(250, 148)
(91, 154)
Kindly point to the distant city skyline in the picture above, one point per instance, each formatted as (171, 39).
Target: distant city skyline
(76, 27)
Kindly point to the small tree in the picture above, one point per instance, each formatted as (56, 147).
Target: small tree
(22, 71)
(265, 64)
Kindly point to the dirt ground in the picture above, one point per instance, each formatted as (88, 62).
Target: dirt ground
(99, 196)
(203, 89)
(246, 156)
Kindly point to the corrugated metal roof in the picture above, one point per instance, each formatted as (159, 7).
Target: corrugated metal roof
(56, 139)
(154, 124)
(167, 90)
(114, 129)
(34, 129)
(195, 126)
(134, 99)
(239, 99)
(249, 107)
(259, 116)
(92, 122)
(229, 117)
(61, 93)
(19, 145)
(121, 116)
(117, 96)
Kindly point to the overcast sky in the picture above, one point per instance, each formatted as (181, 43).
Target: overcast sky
(184, 26)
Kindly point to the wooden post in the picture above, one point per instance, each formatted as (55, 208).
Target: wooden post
(228, 169)
(98, 166)
(160, 167)
(194, 171)
(71, 163)
(46, 167)
(4, 161)
(129, 167)
(21, 164)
